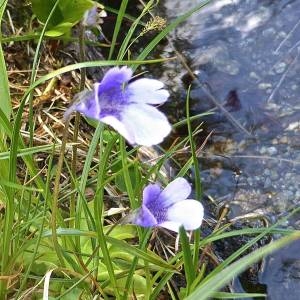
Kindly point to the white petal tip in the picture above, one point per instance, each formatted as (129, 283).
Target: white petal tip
(188, 213)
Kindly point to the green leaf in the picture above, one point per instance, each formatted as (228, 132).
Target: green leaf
(59, 30)
(224, 295)
(29, 151)
(148, 256)
(133, 176)
(187, 258)
(145, 255)
(42, 10)
(138, 287)
(73, 10)
(66, 15)
(5, 103)
(18, 186)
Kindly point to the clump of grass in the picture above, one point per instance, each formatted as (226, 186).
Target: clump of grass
(60, 218)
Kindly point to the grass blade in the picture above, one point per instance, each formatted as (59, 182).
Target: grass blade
(204, 291)
(120, 17)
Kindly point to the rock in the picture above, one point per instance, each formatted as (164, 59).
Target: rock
(264, 86)
(272, 151)
(268, 183)
(280, 67)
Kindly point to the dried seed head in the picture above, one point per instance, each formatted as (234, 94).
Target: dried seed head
(156, 23)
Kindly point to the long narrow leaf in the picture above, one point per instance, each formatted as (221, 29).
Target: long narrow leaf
(121, 14)
(187, 258)
(5, 103)
(206, 290)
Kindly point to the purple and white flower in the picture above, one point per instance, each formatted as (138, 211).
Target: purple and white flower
(170, 207)
(93, 17)
(126, 106)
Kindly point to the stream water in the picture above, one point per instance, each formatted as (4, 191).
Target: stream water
(246, 54)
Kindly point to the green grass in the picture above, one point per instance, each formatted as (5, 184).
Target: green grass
(83, 253)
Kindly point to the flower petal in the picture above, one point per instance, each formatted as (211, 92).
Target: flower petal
(150, 194)
(115, 77)
(146, 123)
(120, 127)
(177, 190)
(85, 103)
(93, 17)
(174, 226)
(188, 213)
(147, 90)
(145, 218)
(90, 17)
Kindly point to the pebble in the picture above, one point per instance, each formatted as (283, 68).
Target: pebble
(264, 86)
(294, 87)
(268, 183)
(253, 75)
(280, 67)
(250, 181)
(290, 195)
(281, 34)
(263, 150)
(293, 126)
(230, 67)
(283, 140)
(274, 175)
(269, 32)
(280, 201)
(268, 150)
(288, 176)
(272, 151)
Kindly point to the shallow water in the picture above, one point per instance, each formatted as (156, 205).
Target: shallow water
(246, 53)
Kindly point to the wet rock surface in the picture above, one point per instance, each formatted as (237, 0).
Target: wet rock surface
(282, 273)
(247, 54)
